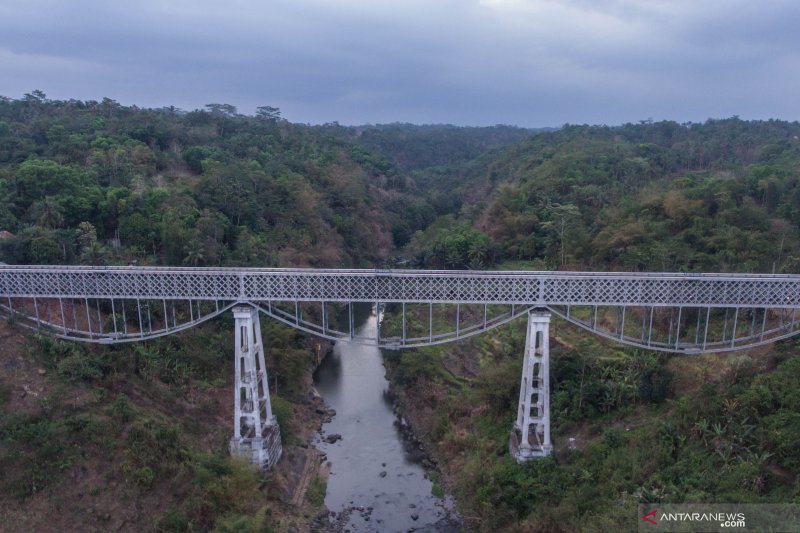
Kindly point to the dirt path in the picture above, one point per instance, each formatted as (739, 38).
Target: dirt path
(310, 469)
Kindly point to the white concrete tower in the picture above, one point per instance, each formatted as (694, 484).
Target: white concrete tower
(531, 434)
(256, 435)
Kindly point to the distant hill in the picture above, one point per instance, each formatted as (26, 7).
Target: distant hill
(722, 195)
(413, 147)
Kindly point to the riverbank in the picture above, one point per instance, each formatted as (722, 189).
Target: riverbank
(377, 477)
(413, 420)
(302, 472)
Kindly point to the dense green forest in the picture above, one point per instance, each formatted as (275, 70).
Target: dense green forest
(98, 182)
(101, 183)
(718, 196)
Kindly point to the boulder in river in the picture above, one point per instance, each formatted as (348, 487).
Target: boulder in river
(330, 439)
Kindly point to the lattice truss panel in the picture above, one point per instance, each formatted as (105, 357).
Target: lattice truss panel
(671, 312)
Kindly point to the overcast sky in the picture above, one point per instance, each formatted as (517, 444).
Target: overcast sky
(468, 62)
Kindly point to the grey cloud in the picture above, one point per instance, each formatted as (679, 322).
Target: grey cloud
(532, 63)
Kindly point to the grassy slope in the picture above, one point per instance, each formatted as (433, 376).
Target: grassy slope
(135, 439)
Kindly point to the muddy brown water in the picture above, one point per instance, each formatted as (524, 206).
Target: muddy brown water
(376, 480)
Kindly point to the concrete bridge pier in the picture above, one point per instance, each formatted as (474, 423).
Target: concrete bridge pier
(256, 435)
(531, 434)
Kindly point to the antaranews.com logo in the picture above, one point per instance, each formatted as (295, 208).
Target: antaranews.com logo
(710, 517)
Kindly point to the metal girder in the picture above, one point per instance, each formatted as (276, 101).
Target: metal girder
(410, 286)
(126, 304)
(390, 342)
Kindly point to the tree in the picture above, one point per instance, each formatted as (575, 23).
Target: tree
(253, 249)
(194, 252)
(139, 231)
(86, 235)
(95, 254)
(563, 218)
(272, 114)
(8, 220)
(35, 96)
(461, 247)
(212, 228)
(44, 251)
(227, 110)
(36, 178)
(47, 213)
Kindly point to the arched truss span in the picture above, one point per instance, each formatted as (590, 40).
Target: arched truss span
(400, 314)
(688, 330)
(667, 329)
(110, 321)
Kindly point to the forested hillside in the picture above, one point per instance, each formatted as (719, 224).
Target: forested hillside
(135, 437)
(719, 196)
(96, 182)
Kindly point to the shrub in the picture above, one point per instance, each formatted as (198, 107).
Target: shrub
(120, 409)
(316, 491)
(79, 367)
(5, 392)
(655, 384)
(416, 365)
(227, 485)
(155, 444)
(498, 386)
(143, 476)
(282, 410)
(173, 521)
(614, 437)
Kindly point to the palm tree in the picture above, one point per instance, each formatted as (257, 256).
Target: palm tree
(194, 253)
(47, 213)
(95, 254)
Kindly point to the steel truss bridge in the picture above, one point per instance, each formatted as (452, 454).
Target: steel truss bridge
(672, 312)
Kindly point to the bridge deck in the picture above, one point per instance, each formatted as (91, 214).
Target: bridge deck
(675, 312)
(408, 286)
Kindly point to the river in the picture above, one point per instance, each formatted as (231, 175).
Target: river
(376, 481)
